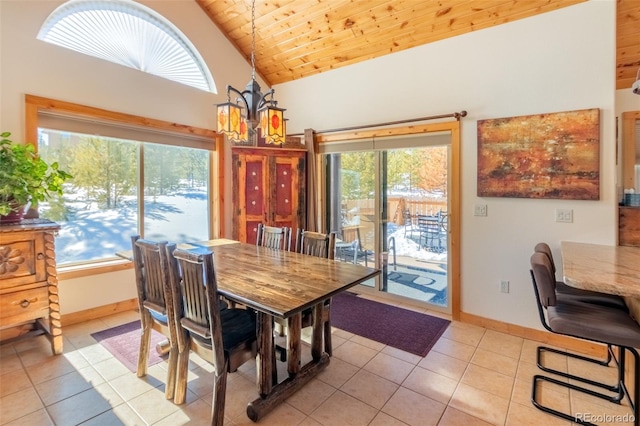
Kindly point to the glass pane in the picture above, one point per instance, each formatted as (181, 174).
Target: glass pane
(175, 193)
(99, 209)
(351, 183)
(416, 199)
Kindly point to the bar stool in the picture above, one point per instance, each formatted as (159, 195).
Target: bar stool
(566, 293)
(564, 290)
(593, 322)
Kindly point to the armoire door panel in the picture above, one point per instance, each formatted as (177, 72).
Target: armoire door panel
(254, 188)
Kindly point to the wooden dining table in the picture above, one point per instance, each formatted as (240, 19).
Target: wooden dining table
(278, 283)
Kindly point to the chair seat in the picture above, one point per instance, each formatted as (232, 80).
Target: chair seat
(563, 290)
(238, 325)
(593, 322)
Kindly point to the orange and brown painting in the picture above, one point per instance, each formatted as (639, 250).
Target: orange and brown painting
(553, 155)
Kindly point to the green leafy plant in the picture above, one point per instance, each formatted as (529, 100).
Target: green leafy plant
(25, 177)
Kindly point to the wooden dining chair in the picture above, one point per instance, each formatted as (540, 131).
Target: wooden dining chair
(279, 239)
(225, 338)
(273, 237)
(316, 243)
(319, 245)
(156, 303)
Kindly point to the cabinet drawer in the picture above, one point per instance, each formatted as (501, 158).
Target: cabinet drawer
(25, 305)
(22, 259)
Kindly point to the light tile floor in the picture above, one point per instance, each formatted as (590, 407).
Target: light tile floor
(472, 376)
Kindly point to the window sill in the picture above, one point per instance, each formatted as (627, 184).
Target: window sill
(87, 270)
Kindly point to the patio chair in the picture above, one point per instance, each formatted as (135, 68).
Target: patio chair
(429, 230)
(353, 243)
(407, 221)
(225, 338)
(156, 304)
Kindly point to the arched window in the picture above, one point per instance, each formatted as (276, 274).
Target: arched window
(130, 34)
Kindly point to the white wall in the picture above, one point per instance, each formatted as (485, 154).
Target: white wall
(557, 61)
(30, 66)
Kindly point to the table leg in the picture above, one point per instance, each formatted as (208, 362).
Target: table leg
(272, 396)
(264, 360)
(317, 333)
(294, 336)
(262, 406)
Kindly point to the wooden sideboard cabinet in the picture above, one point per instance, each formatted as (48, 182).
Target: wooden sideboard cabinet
(29, 302)
(269, 188)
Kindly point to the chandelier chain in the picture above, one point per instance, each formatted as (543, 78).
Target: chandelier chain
(253, 39)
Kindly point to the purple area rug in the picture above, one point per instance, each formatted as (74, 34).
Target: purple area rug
(407, 330)
(123, 342)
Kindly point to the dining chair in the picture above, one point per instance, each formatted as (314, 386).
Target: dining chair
(319, 245)
(156, 303)
(280, 239)
(597, 323)
(316, 243)
(226, 338)
(274, 237)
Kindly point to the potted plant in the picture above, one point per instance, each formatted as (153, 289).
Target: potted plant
(25, 179)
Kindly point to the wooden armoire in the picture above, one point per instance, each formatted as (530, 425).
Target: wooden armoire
(269, 188)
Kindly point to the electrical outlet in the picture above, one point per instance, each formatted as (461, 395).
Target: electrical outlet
(564, 215)
(504, 286)
(480, 210)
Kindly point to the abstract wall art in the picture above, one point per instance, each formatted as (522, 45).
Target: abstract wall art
(554, 155)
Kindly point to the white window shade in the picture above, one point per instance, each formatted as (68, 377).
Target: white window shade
(119, 130)
(419, 140)
(130, 34)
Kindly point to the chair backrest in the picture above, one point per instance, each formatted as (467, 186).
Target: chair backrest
(406, 217)
(543, 280)
(351, 233)
(428, 223)
(444, 220)
(194, 275)
(544, 248)
(273, 237)
(316, 243)
(152, 280)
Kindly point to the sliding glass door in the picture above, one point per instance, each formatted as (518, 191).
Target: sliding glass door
(388, 203)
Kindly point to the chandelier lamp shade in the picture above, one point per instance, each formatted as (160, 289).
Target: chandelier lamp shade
(252, 110)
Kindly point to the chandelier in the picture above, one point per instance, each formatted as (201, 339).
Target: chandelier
(252, 111)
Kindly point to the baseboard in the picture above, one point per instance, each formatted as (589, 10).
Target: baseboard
(545, 337)
(99, 312)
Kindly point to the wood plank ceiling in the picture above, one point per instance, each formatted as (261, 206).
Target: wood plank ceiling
(299, 38)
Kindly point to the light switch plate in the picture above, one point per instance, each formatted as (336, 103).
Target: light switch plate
(480, 210)
(564, 215)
